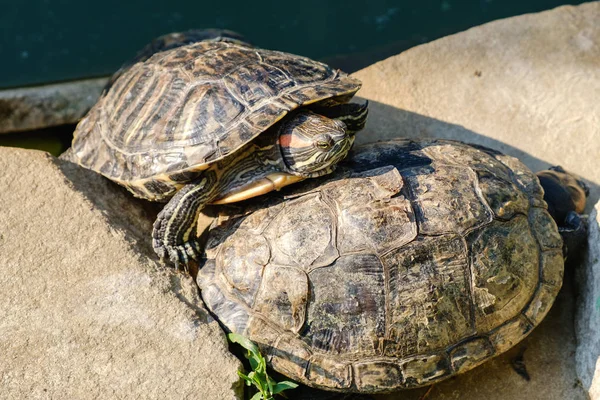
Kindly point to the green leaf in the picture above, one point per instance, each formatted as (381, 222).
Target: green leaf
(263, 363)
(252, 375)
(258, 381)
(258, 377)
(285, 385)
(254, 361)
(244, 342)
(269, 384)
(244, 377)
(257, 396)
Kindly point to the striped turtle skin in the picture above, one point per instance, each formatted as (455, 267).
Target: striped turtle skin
(171, 116)
(215, 121)
(415, 261)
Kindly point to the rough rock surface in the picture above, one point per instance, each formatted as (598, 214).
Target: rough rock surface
(49, 105)
(86, 312)
(527, 86)
(588, 311)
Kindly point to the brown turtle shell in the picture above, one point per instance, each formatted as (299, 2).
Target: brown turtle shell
(415, 261)
(168, 117)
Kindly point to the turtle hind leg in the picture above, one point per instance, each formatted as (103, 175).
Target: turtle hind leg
(175, 235)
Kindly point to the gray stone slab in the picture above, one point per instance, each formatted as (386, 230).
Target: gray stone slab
(86, 312)
(588, 311)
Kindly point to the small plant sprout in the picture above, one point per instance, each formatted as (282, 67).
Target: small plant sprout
(266, 386)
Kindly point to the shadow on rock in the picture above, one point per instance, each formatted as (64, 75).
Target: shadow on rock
(126, 213)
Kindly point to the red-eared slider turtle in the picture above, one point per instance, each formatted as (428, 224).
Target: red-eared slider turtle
(215, 121)
(415, 261)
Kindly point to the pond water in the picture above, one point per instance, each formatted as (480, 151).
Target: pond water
(53, 40)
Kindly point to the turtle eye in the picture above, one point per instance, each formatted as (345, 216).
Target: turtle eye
(324, 143)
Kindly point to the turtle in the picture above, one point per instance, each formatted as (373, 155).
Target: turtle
(415, 261)
(216, 120)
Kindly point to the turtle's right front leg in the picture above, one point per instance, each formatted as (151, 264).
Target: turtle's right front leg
(175, 233)
(574, 234)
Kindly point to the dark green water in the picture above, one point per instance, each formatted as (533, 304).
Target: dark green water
(53, 40)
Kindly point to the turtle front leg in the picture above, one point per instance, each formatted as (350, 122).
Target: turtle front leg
(175, 235)
(574, 234)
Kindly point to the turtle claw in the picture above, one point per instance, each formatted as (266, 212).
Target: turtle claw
(178, 255)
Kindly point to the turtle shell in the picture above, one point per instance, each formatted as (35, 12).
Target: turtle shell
(415, 261)
(168, 117)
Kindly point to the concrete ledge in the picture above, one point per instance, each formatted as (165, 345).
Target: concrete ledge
(36, 107)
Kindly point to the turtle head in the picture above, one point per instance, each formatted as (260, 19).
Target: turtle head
(563, 192)
(566, 196)
(312, 144)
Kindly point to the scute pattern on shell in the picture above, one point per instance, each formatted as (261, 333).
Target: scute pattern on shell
(415, 261)
(193, 105)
